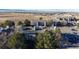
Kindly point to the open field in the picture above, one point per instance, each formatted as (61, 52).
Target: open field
(32, 16)
(22, 16)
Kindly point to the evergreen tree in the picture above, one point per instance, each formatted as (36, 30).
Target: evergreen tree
(16, 41)
(39, 41)
(48, 39)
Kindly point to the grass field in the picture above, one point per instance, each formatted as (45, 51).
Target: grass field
(31, 16)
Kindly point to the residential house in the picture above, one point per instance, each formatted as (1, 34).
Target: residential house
(38, 24)
(64, 21)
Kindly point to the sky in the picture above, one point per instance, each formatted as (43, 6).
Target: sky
(39, 4)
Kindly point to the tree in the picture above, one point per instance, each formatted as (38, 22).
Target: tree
(40, 18)
(48, 39)
(27, 22)
(57, 39)
(9, 23)
(20, 23)
(16, 41)
(39, 41)
(2, 25)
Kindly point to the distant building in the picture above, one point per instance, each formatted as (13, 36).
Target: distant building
(65, 20)
(38, 24)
